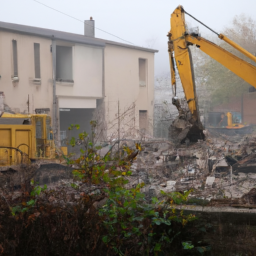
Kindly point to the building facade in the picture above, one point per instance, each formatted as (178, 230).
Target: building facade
(77, 78)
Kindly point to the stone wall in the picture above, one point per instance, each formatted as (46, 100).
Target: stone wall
(228, 233)
(14, 177)
(245, 104)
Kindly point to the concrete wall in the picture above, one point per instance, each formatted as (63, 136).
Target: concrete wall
(87, 76)
(87, 62)
(113, 75)
(246, 105)
(122, 84)
(40, 95)
(249, 106)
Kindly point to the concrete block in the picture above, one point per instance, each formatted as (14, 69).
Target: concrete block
(210, 180)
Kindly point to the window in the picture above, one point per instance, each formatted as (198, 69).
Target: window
(39, 127)
(142, 72)
(49, 128)
(143, 120)
(15, 58)
(37, 60)
(64, 71)
(63, 135)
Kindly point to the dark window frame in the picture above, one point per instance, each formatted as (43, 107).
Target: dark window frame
(15, 58)
(59, 64)
(143, 63)
(37, 61)
(143, 120)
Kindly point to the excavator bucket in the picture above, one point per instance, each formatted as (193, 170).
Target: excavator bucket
(184, 128)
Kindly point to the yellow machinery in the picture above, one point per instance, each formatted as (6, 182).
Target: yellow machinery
(25, 138)
(179, 53)
(230, 124)
(227, 124)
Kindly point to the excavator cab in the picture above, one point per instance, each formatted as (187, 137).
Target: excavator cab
(44, 139)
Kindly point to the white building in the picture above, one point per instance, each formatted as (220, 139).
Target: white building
(71, 75)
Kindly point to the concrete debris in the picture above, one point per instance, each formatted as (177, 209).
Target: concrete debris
(209, 181)
(219, 167)
(247, 164)
(222, 163)
(215, 169)
(170, 183)
(248, 200)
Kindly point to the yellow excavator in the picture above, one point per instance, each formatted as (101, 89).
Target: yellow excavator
(188, 127)
(25, 138)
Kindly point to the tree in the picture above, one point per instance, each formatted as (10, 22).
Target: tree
(218, 83)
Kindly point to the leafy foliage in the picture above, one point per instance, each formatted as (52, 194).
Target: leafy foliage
(45, 223)
(128, 216)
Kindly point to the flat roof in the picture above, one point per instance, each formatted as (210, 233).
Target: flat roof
(61, 35)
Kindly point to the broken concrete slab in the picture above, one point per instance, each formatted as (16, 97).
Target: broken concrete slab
(222, 163)
(170, 183)
(209, 181)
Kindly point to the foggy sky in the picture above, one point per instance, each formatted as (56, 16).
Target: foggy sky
(142, 22)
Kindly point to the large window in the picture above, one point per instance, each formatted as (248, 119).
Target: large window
(15, 58)
(37, 60)
(143, 72)
(64, 72)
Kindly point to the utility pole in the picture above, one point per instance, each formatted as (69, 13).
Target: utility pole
(118, 128)
(54, 107)
(28, 103)
(231, 172)
(242, 108)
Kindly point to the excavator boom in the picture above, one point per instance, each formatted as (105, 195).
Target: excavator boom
(179, 51)
(238, 66)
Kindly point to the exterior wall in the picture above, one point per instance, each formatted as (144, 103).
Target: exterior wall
(80, 97)
(16, 93)
(249, 106)
(87, 76)
(122, 85)
(233, 105)
(111, 73)
(246, 105)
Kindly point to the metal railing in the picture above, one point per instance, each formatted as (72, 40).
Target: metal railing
(6, 158)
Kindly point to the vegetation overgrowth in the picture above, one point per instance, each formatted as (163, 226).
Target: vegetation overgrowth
(108, 217)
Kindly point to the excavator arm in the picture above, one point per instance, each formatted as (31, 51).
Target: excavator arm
(186, 127)
(238, 66)
(179, 53)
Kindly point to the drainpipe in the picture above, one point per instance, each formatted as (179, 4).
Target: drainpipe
(242, 108)
(54, 107)
(103, 74)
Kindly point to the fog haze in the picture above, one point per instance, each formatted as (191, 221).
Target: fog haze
(144, 22)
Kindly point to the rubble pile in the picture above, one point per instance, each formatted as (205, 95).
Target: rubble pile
(216, 168)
